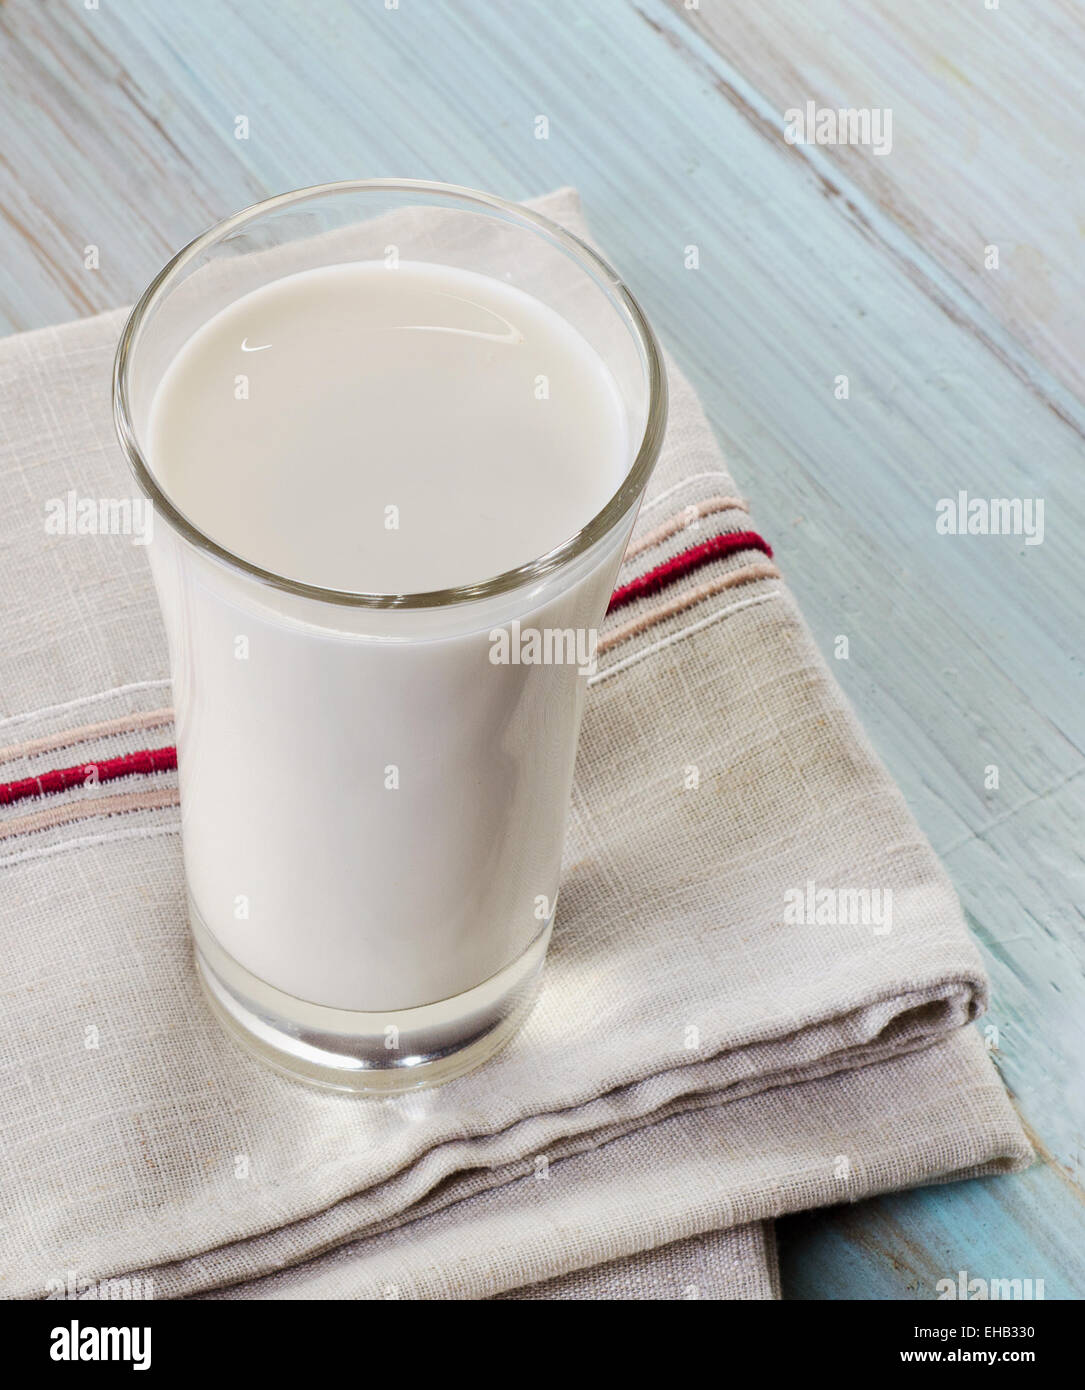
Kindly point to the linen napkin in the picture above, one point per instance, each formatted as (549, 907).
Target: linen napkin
(756, 994)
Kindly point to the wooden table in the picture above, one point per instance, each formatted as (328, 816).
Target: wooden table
(119, 129)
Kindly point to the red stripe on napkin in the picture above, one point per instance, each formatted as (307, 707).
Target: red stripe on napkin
(87, 774)
(683, 563)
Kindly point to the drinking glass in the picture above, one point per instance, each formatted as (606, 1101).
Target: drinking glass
(372, 808)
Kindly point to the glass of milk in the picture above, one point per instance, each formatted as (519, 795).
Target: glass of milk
(395, 435)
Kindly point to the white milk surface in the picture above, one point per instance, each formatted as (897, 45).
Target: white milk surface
(388, 431)
(373, 818)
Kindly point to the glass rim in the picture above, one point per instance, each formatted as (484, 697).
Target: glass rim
(594, 530)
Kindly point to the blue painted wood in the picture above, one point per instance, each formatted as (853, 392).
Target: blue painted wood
(119, 130)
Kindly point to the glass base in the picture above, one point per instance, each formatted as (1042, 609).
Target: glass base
(380, 1054)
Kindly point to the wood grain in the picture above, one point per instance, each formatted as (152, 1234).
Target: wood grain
(118, 130)
(987, 125)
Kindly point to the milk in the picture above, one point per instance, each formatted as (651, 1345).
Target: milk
(373, 809)
(389, 431)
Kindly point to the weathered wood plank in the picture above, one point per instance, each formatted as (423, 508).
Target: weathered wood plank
(986, 125)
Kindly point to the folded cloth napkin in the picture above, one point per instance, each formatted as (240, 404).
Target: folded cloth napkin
(756, 993)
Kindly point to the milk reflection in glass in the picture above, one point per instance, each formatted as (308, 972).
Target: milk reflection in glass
(373, 819)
